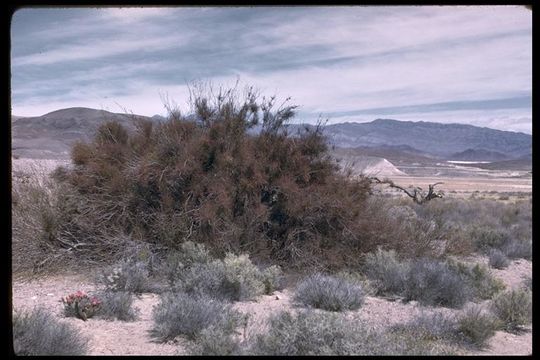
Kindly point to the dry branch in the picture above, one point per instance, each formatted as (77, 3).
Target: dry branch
(416, 193)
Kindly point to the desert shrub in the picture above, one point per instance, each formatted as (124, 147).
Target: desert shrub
(37, 332)
(117, 305)
(329, 293)
(210, 178)
(234, 278)
(357, 277)
(513, 308)
(315, 333)
(498, 260)
(478, 278)
(486, 238)
(273, 279)
(175, 262)
(528, 283)
(212, 341)
(518, 249)
(433, 282)
(244, 276)
(188, 315)
(430, 326)
(479, 225)
(476, 325)
(126, 275)
(387, 273)
(307, 333)
(208, 279)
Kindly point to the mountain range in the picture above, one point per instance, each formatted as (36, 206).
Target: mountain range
(432, 139)
(52, 134)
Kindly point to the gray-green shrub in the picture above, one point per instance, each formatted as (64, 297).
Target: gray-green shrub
(429, 326)
(434, 283)
(386, 272)
(117, 305)
(527, 283)
(518, 249)
(329, 293)
(234, 278)
(325, 333)
(126, 275)
(184, 314)
(478, 278)
(513, 308)
(212, 341)
(497, 259)
(273, 279)
(476, 325)
(37, 332)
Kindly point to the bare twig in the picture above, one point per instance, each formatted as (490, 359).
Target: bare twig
(418, 195)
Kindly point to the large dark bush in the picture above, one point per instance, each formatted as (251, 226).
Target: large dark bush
(230, 176)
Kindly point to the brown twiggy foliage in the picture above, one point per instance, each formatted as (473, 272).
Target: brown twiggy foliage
(205, 178)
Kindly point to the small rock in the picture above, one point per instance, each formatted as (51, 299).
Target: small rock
(50, 294)
(34, 297)
(277, 297)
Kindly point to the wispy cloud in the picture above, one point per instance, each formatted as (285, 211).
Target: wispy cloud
(343, 62)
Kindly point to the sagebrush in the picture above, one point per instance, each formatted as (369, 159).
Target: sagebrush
(329, 293)
(39, 333)
(188, 315)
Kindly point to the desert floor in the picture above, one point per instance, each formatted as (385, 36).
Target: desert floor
(133, 338)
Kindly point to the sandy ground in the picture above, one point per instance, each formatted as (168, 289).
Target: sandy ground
(133, 338)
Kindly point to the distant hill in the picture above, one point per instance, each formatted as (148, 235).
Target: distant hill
(478, 155)
(51, 135)
(442, 140)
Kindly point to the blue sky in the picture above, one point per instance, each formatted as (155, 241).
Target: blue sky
(449, 64)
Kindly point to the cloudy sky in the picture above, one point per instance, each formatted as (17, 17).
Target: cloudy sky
(460, 64)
